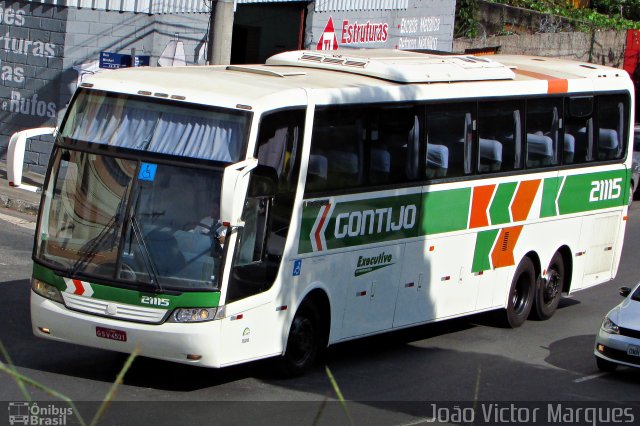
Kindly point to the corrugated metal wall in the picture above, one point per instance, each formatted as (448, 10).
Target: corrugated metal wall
(344, 5)
(199, 6)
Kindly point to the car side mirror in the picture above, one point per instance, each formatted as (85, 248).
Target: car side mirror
(625, 291)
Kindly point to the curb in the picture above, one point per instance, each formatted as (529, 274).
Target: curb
(19, 205)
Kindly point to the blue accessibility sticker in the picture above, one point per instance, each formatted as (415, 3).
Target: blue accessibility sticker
(147, 171)
(297, 267)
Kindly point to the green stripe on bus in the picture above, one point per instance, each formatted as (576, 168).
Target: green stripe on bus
(200, 299)
(550, 188)
(445, 211)
(592, 191)
(309, 215)
(499, 209)
(375, 220)
(372, 221)
(484, 243)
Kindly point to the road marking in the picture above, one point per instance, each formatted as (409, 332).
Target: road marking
(19, 222)
(591, 377)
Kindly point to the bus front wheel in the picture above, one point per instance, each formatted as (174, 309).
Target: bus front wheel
(520, 294)
(549, 290)
(303, 342)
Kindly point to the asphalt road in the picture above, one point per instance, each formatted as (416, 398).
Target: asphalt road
(389, 379)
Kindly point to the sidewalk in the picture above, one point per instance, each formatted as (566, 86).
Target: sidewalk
(19, 199)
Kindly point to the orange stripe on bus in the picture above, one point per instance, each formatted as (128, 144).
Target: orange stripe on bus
(481, 199)
(523, 200)
(554, 84)
(558, 86)
(502, 254)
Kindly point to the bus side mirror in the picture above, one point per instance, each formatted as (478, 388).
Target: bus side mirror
(625, 291)
(235, 183)
(264, 182)
(15, 155)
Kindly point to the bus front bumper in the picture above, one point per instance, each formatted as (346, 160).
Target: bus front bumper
(193, 343)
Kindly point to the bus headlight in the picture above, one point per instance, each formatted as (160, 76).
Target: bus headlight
(46, 290)
(193, 315)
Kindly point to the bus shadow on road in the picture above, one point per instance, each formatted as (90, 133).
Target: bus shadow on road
(403, 364)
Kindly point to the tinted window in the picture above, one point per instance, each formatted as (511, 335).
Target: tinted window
(611, 127)
(394, 145)
(363, 147)
(500, 136)
(578, 132)
(449, 141)
(543, 132)
(336, 159)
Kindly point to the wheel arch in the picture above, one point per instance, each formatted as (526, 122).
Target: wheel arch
(567, 259)
(319, 297)
(535, 259)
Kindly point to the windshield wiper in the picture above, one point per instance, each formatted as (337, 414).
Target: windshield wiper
(93, 246)
(146, 255)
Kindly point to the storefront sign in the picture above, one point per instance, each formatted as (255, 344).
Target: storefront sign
(110, 60)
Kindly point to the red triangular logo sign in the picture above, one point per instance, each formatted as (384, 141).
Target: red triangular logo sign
(328, 39)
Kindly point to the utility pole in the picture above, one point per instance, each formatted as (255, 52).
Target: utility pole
(220, 31)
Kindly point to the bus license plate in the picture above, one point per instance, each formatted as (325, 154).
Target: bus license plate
(110, 333)
(633, 350)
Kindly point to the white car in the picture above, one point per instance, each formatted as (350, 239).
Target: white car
(618, 341)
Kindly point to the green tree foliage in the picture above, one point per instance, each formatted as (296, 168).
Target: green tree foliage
(588, 18)
(466, 24)
(627, 9)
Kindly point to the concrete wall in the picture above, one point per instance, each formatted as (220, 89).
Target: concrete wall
(499, 19)
(605, 47)
(520, 31)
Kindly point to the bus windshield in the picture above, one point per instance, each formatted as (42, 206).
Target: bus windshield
(131, 221)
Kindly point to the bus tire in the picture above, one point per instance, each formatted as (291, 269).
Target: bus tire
(520, 294)
(303, 342)
(549, 289)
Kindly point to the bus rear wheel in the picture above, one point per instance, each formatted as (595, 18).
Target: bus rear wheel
(303, 342)
(549, 290)
(520, 294)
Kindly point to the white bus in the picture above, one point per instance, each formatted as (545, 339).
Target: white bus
(218, 215)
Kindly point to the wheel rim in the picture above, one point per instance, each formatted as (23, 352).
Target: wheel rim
(301, 340)
(552, 286)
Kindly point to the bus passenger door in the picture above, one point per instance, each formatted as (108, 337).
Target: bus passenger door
(372, 290)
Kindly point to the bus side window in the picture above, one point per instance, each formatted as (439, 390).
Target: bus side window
(611, 125)
(578, 130)
(395, 145)
(500, 136)
(543, 132)
(336, 159)
(449, 141)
